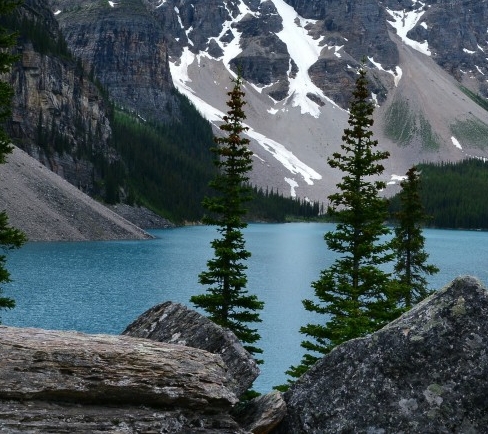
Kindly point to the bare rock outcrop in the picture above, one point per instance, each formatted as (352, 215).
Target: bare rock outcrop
(90, 383)
(58, 115)
(423, 373)
(125, 48)
(426, 372)
(176, 324)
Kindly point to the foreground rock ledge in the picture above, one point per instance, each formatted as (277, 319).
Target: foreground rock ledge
(174, 323)
(43, 371)
(426, 372)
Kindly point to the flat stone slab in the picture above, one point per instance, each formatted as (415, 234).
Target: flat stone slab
(110, 370)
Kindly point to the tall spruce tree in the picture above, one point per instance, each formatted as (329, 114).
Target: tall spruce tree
(411, 258)
(226, 300)
(10, 237)
(353, 294)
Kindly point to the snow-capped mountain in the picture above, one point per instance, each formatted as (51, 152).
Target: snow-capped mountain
(428, 66)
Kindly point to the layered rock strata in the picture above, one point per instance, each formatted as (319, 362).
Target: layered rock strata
(109, 383)
(174, 323)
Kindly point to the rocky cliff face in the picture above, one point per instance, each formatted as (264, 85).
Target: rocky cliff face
(265, 59)
(456, 33)
(299, 59)
(427, 67)
(58, 115)
(124, 48)
(360, 29)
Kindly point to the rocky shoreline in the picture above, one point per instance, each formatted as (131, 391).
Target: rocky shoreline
(174, 371)
(142, 217)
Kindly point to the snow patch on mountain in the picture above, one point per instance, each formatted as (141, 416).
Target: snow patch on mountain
(231, 49)
(304, 51)
(182, 81)
(456, 143)
(293, 184)
(397, 75)
(404, 21)
(261, 88)
(178, 15)
(396, 179)
(285, 157)
(336, 48)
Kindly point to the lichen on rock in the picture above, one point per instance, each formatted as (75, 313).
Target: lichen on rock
(426, 372)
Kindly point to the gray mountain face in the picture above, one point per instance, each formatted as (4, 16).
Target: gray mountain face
(54, 104)
(124, 48)
(427, 60)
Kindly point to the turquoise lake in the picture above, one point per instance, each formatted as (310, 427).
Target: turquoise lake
(101, 287)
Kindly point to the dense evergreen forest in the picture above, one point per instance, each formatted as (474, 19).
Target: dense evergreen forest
(269, 205)
(169, 167)
(43, 39)
(454, 194)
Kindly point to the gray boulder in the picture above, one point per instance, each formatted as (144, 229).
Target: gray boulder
(176, 324)
(426, 372)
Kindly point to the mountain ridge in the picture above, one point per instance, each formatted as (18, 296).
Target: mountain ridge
(299, 61)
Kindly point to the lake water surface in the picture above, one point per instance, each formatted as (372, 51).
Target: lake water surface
(101, 287)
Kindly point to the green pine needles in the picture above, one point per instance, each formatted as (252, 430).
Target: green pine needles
(354, 293)
(226, 301)
(411, 258)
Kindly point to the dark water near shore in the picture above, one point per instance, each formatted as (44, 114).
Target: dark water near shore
(101, 287)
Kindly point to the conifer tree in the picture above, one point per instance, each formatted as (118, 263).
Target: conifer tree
(353, 294)
(10, 238)
(411, 266)
(226, 301)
